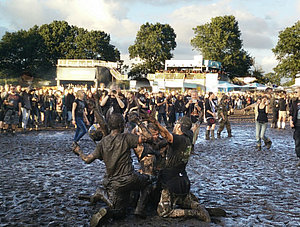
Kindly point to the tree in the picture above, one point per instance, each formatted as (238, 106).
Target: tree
(38, 49)
(220, 40)
(287, 52)
(153, 45)
(273, 78)
(23, 51)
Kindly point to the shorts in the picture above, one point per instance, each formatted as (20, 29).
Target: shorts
(282, 114)
(210, 121)
(11, 117)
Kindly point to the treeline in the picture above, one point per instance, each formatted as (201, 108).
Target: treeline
(36, 50)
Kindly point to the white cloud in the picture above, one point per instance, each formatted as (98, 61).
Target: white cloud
(91, 14)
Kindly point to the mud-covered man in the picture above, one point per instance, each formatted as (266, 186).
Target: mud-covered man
(173, 177)
(223, 110)
(120, 178)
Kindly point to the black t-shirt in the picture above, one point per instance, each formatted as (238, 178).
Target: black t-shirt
(179, 152)
(161, 108)
(14, 99)
(81, 105)
(282, 104)
(114, 150)
(298, 114)
(179, 106)
(211, 106)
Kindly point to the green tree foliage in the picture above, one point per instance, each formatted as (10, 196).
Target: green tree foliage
(273, 78)
(23, 51)
(287, 52)
(38, 49)
(153, 45)
(220, 40)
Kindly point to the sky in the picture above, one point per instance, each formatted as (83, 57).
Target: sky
(260, 21)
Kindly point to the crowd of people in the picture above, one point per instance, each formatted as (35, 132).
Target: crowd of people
(161, 128)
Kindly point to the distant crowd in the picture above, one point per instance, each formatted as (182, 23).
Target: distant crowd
(30, 108)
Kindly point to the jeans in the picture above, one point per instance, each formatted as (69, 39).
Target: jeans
(80, 130)
(178, 115)
(297, 141)
(162, 115)
(260, 132)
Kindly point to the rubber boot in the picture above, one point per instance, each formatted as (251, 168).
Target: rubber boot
(212, 133)
(101, 195)
(219, 135)
(200, 213)
(207, 135)
(258, 147)
(229, 133)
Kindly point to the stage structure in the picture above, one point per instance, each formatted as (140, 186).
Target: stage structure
(85, 70)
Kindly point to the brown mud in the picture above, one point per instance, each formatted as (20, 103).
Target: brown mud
(40, 180)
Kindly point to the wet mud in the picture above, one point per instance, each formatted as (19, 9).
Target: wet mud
(40, 180)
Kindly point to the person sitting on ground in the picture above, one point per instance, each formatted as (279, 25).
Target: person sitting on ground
(120, 178)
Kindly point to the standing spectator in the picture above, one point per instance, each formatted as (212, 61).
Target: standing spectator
(35, 114)
(194, 110)
(170, 109)
(26, 107)
(12, 101)
(161, 104)
(179, 107)
(223, 111)
(79, 116)
(210, 115)
(261, 116)
(2, 112)
(112, 103)
(282, 111)
(69, 103)
(295, 122)
(275, 109)
(90, 107)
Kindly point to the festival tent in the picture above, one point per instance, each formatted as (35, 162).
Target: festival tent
(225, 86)
(257, 86)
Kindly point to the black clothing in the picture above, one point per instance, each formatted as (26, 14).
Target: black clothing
(262, 116)
(14, 99)
(114, 150)
(179, 106)
(174, 177)
(161, 108)
(211, 106)
(282, 104)
(26, 100)
(111, 106)
(294, 111)
(81, 105)
(69, 101)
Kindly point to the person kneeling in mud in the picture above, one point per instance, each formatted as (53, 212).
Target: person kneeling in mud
(173, 177)
(151, 158)
(120, 178)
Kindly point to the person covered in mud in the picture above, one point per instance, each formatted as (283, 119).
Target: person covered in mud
(173, 176)
(223, 110)
(120, 178)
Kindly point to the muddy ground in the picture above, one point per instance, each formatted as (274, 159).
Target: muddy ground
(40, 180)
